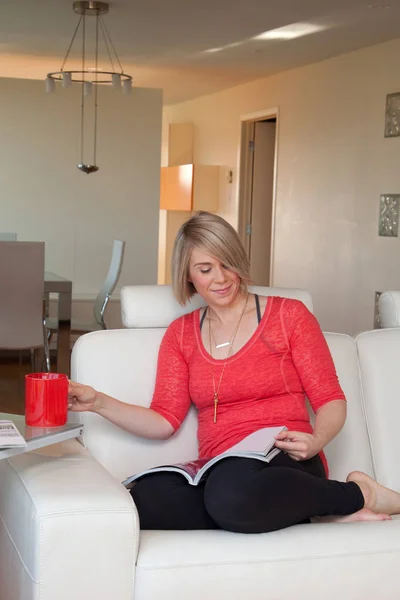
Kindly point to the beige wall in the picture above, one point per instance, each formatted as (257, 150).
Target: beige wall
(333, 164)
(45, 197)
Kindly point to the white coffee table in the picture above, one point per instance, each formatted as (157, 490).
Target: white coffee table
(38, 437)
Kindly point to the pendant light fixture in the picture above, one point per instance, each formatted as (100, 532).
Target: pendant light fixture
(90, 77)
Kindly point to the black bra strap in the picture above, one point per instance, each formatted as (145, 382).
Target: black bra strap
(256, 298)
(203, 316)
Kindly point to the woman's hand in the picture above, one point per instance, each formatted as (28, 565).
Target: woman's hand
(299, 445)
(81, 397)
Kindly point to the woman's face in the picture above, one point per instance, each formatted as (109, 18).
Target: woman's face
(217, 284)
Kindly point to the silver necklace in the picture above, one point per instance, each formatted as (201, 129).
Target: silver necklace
(223, 344)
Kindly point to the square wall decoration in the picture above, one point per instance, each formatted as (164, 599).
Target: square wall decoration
(392, 120)
(389, 215)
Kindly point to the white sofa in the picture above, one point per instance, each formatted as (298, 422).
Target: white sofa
(389, 308)
(70, 531)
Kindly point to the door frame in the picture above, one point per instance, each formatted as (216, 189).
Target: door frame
(245, 178)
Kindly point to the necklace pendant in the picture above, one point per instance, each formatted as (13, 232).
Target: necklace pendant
(230, 344)
(215, 407)
(222, 345)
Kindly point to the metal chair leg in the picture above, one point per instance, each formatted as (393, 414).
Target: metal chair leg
(33, 360)
(46, 346)
(102, 311)
(20, 363)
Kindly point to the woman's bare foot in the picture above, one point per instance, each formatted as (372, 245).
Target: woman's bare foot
(377, 498)
(365, 514)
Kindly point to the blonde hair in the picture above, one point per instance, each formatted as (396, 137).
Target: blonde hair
(216, 237)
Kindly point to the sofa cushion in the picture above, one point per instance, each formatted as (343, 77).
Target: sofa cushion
(312, 561)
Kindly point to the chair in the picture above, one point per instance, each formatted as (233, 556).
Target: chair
(21, 300)
(102, 298)
(8, 237)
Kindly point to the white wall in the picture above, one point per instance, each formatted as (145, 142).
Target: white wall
(333, 164)
(45, 197)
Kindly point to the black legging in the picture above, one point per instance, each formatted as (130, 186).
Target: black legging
(244, 495)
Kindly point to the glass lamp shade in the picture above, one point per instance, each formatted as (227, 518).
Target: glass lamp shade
(127, 86)
(50, 85)
(116, 80)
(66, 80)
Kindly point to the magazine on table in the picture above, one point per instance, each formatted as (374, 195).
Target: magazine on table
(259, 445)
(10, 437)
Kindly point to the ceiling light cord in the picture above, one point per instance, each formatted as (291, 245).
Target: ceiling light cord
(112, 45)
(71, 43)
(83, 87)
(106, 44)
(96, 91)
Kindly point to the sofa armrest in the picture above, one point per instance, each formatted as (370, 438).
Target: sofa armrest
(68, 529)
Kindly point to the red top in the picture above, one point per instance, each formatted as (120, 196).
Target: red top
(264, 384)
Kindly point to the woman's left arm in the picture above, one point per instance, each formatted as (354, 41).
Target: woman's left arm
(316, 370)
(329, 420)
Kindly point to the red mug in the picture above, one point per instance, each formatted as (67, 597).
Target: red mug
(46, 399)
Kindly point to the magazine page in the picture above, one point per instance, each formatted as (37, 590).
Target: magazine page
(10, 437)
(261, 440)
(258, 445)
(187, 469)
(192, 467)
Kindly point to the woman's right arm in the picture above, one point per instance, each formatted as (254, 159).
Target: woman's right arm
(138, 420)
(170, 403)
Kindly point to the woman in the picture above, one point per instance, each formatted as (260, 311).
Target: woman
(247, 362)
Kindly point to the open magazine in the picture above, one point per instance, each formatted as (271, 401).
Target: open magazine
(259, 445)
(10, 437)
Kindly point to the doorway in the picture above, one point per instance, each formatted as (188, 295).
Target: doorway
(258, 149)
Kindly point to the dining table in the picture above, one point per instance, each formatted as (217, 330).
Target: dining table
(54, 284)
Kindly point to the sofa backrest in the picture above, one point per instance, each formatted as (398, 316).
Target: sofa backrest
(123, 363)
(350, 450)
(156, 306)
(379, 353)
(389, 309)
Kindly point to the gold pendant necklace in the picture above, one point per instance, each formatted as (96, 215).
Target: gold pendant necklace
(211, 335)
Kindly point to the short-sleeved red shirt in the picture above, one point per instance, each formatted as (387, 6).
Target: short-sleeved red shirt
(264, 384)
